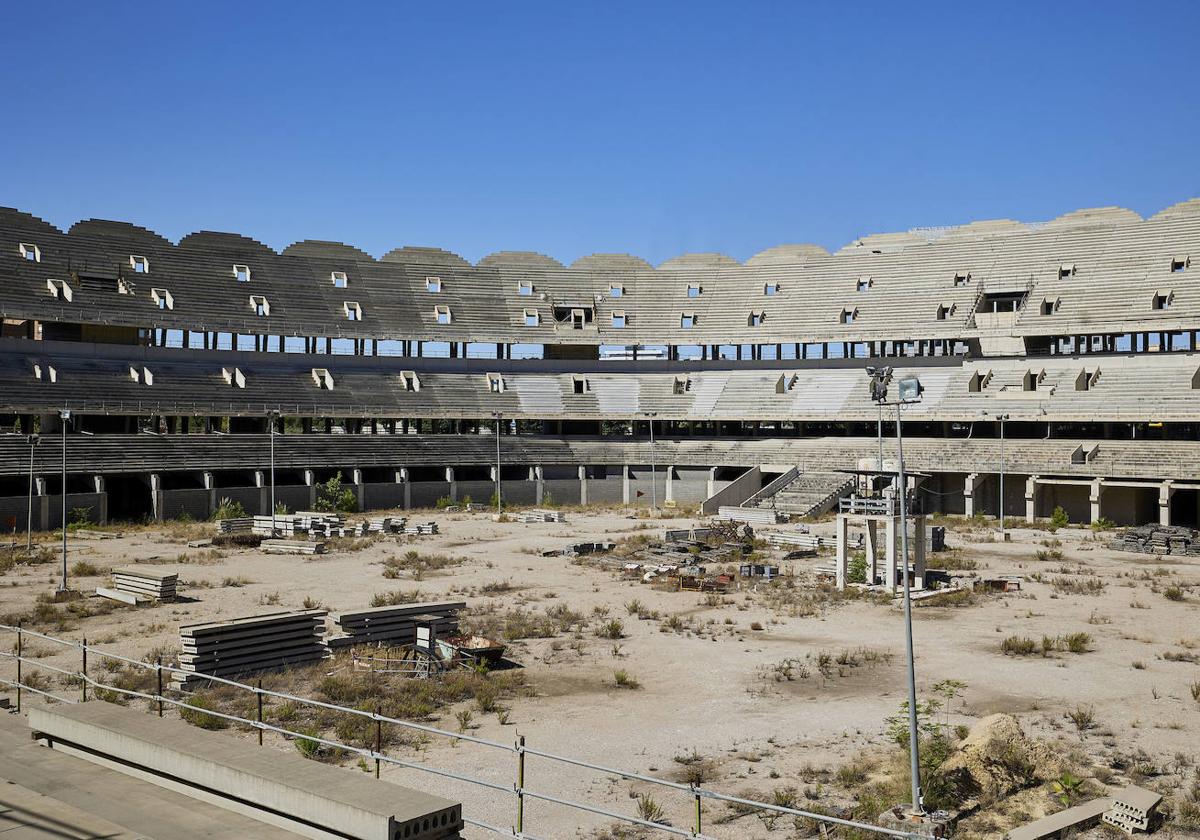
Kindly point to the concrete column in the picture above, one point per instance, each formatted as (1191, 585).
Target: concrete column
(893, 551)
(357, 476)
(970, 486)
(711, 487)
(210, 485)
(540, 489)
(403, 478)
(1165, 491)
(102, 513)
(872, 548)
(918, 553)
(841, 566)
(669, 495)
(625, 484)
(453, 484)
(1031, 486)
(1097, 490)
(583, 496)
(156, 500)
(310, 479)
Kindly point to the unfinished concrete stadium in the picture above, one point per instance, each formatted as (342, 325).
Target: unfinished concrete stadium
(1074, 339)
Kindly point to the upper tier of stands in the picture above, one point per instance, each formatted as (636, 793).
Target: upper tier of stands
(43, 376)
(1092, 271)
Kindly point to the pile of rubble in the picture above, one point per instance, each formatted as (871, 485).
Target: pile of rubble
(321, 526)
(1159, 539)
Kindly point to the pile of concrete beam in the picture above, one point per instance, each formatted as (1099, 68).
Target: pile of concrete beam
(1133, 809)
(420, 529)
(268, 526)
(248, 645)
(581, 549)
(758, 516)
(292, 547)
(688, 534)
(528, 516)
(235, 526)
(1159, 539)
(147, 583)
(396, 625)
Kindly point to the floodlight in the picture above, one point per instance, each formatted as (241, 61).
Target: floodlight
(910, 389)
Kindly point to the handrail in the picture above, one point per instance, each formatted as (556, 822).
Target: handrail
(518, 749)
(772, 487)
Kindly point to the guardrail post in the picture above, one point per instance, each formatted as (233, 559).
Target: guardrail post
(159, 694)
(258, 697)
(19, 634)
(696, 793)
(378, 737)
(520, 784)
(83, 684)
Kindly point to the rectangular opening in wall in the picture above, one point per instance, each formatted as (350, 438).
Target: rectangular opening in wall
(1066, 270)
(339, 279)
(433, 284)
(322, 378)
(260, 305)
(579, 385)
(618, 320)
(962, 278)
(864, 284)
(1180, 264)
(241, 273)
(441, 314)
(140, 265)
(770, 289)
(353, 310)
(531, 318)
(162, 299)
(687, 320)
(756, 319)
(60, 289)
(1049, 306)
(409, 381)
(616, 291)
(495, 383)
(1163, 300)
(848, 316)
(525, 288)
(30, 252)
(682, 385)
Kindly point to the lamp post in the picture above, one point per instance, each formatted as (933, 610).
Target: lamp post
(33, 442)
(909, 392)
(64, 417)
(496, 416)
(272, 418)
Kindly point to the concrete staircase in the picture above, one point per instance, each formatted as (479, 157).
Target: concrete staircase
(810, 493)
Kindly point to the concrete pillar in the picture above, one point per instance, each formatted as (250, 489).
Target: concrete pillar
(872, 548)
(918, 547)
(711, 486)
(403, 478)
(453, 484)
(102, 513)
(1097, 489)
(625, 484)
(1165, 491)
(583, 494)
(357, 476)
(893, 552)
(310, 479)
(156, 500)
(669, 495)
(969, 487)
(540, 488)
(841, 566)
(1031, 486)
(210, 485)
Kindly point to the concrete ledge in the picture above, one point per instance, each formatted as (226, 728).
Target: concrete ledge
(320, 800)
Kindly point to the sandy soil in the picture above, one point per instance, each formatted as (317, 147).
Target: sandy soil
(712, 691)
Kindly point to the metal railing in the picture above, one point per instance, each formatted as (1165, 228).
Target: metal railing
(518, 750)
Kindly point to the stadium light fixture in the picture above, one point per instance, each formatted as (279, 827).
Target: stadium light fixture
(909, 391)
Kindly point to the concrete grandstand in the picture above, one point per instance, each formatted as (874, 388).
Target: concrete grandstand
(1080, 332)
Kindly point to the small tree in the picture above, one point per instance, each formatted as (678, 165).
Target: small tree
(1059, 519)
(229, 509)
(333, 496)
(857, 572)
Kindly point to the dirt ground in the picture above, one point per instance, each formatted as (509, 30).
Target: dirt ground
(710, 683)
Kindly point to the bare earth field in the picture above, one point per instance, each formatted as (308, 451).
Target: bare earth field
(765, 692)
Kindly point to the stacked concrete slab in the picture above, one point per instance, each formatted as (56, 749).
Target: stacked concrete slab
(145, 583)
(1159, 539)
(248, 645)
(1133, 809)
(395, 625)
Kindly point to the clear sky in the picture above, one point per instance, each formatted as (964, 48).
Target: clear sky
(570, 127)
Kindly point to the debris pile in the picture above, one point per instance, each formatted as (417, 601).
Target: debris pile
(1159, 539)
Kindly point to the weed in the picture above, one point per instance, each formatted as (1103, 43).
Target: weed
(623, 679)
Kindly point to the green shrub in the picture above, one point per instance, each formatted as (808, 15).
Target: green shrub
(443, 502)
(193, 711)
(229, 509)
(624, 679)
(1173, 593)
(332, 496)
(1018, 646)
(857, 571)
(1059, 519)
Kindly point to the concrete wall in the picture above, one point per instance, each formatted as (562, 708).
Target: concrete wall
(564, 491)
(604, 490)
(426, 493)
(1073, 498)
(192, 503)
(690, 485)
(1130, 505)
(383, 495)
(514, 492)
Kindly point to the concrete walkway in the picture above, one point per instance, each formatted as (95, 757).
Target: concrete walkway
(46, 795)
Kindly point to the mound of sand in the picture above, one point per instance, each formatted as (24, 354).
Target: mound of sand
(996, 759)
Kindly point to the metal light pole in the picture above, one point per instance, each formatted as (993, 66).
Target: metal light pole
(63, 417)
(653, 480)
(33, 441)
(909, 392)
(1001, 418)
(496, 414)
(879, 434)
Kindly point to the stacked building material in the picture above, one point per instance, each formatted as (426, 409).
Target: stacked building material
(1159, 539)
(394, 625)
(1133, 809)
(541, 516)
(247, 645)
(421, 529)
(282, 524)
(235, 526)
(758, 516)
(147, 583)
(292, 547)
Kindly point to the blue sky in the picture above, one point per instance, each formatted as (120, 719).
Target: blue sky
(571, 128)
